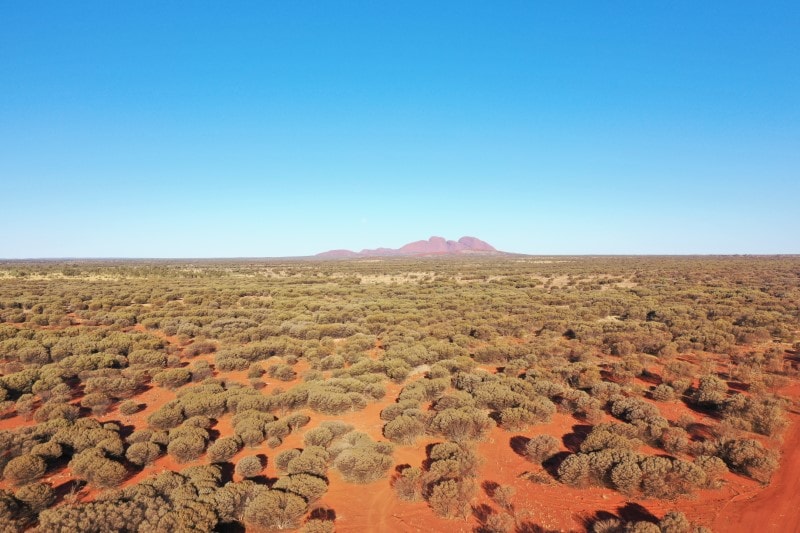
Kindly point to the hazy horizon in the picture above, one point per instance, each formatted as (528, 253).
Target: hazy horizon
(265, 130)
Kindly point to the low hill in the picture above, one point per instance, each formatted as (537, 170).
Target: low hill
(433, 246)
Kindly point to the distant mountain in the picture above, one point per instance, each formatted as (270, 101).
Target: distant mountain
(433, 246)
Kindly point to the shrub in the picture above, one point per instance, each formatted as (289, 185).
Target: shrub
(674, 522)
(128, 407)
(143, 453)
(714, 468)
(166, 417)
(98, 402)
(449, 498)
(574, 470)
(37, 496)
(540, 448)
(361, 460)
(312, 460)
(249, 466)
(50, 449)
(309, 487)
(285, 457)
(403, 430)
(275, 509)
(408, 484)
(663, 393)
(318, 525)
(92, 466)
(711, 392)
(461, 424)
(24, 469)
(223, 449)
(186, 448)
(516, 418)
(319, 436)
(172, 378)
(749, 457)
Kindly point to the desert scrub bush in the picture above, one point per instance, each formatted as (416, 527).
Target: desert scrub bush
(360, 460)
(142, 453)
(749, 457)
(223, 449)
(574, 470)
(186, 448)
(318, 525)
(37, 496)
(311, 460)
(98, 402)
(631, 409)
(129, 407)
(714, 468)
(283, 459)
(451, 460)
(275, 509)
(55, 411)
(390, 412)
(764, 414)
(674, 440)
(329, 402)
(93, 467)
(403, 429)
(319, 436)
(147, 359)
(461, 424)
(249, 466)
(172, 378)
(281, 372)
(200, 347)
(408, 484)
(14, 514)
(711, 392)
(449, 498)
(296, 421)
(24, 469)
(540, 448)
(309, 487)
(663, 393)
(516, 418)
(610, 436)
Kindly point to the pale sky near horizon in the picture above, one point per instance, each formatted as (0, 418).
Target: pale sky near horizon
(252, 129)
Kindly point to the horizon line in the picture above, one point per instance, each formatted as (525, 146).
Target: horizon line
(500, 255)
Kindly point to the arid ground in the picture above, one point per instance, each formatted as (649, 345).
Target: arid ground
(451, 394)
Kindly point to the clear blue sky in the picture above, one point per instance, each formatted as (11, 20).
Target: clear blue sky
(218, 129)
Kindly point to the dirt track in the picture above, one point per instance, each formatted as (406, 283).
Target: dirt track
(776, 508)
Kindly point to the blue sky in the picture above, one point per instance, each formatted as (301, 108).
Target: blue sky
(225, 129)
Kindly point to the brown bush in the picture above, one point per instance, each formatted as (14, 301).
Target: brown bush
(37, 496)
(172, 378)
(92, 466)
(223, 449)
(311, 488)
(449, 498)
(540, 448)
(285, 457)
(249, 466)
(142, 453)
(408, 484)
(186, 448)
(403, 430)
(275, 509)
(129, 407)
(24, 469)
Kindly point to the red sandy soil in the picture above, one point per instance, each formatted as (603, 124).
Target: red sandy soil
(776, 507)
(742, 505)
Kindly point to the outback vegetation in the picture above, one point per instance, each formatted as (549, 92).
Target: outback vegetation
(487, 394)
